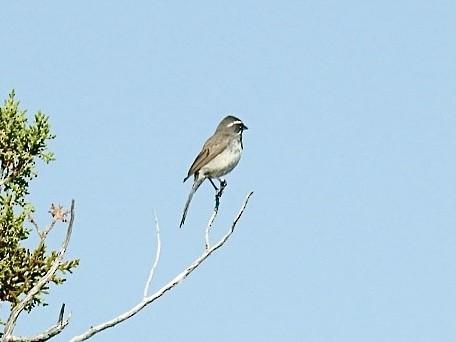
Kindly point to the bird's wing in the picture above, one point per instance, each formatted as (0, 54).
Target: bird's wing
(211, 149)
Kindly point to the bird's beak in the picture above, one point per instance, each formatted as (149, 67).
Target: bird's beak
(244, 127)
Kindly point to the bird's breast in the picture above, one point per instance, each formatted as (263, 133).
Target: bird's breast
(225, 162)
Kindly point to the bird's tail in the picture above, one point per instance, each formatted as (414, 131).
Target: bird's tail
(197, 182)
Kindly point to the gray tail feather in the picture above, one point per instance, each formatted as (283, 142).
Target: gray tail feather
(195, 187)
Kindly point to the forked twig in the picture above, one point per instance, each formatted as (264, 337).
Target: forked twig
(45, 335)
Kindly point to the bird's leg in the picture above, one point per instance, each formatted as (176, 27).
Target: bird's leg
(212, 182)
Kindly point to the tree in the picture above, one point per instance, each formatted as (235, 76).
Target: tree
(21, 145)
(25, 275)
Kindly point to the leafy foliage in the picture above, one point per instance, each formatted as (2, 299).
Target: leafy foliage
(21, 145)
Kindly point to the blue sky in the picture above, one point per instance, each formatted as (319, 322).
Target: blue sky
(351, 108)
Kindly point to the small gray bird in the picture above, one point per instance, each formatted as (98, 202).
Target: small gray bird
(220, 155)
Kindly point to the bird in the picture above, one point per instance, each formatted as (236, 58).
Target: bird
(219, 156)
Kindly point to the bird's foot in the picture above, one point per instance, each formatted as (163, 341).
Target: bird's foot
(223, 185)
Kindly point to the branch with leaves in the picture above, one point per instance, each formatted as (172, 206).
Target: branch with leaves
(23, 270)
(38, 287)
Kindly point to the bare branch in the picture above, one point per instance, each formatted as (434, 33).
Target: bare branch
(157, 257)
(12, 172)
(3, 181)
(62, 312)
(178, 279)
(6, 179)
(218, 194)
(12, 319)
(46, 335)
(231, 231)
(33, 222)
(57, 214)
